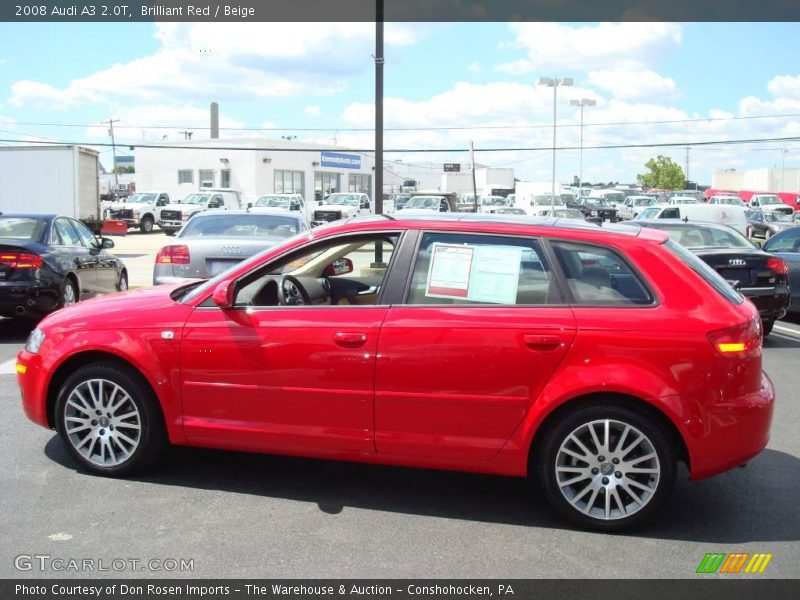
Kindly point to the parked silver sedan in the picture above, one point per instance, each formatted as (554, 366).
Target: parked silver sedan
(214, 241)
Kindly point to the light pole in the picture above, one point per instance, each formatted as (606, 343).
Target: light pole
(554, 82)
(582, 102)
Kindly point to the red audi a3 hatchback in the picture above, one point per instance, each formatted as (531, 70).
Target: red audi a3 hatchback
(590, 359)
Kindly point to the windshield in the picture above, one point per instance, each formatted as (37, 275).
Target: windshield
(272, 202)
(649, 213)
(19, 228)
(778, 217)
(200, 199)
(546, 201)
(677, 200)
(643, 201)
(345, 199)
(733, 200)
(765, 200)
(569, 213)
(427, 202)
(706, 237)
(141, 197)
(494, 201)
(241, 225)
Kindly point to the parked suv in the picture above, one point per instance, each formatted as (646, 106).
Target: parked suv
(174, 216)
(341, 206)
(590, 359)
(140, 210)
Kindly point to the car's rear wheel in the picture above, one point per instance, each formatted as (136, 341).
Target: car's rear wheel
(109, 419)
(767, 326)
(122, 286)
(607, 467)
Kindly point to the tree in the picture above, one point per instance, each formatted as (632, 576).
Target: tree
(664, 173)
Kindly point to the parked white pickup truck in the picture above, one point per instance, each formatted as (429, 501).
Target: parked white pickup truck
(140, 210)
(174, 216)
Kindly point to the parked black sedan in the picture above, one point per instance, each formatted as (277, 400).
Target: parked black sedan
(786, 245)
(766, 224)
(595, 207)
(50, 261)
(756, 274)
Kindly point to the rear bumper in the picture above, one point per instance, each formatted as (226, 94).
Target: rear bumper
(771, 303)
(21, 298)
(737, 430)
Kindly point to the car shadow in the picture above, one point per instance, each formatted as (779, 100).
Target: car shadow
(744, 505)
(16, 330)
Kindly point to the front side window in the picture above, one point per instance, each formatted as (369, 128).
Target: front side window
(480, 269)
(87, 237)
(345, 271)
(598, 276)
(784, 242)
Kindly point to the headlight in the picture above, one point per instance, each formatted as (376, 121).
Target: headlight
(34, 342)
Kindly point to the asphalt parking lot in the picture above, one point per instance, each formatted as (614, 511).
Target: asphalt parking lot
(238, 515)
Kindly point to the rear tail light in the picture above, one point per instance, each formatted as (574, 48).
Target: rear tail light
(21, 260)
(777, 265)
(739, 341)
(177, 254)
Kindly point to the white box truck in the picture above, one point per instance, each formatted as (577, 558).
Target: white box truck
(59, 179)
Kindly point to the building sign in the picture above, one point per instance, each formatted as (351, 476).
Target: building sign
(452, 168)
(339, 160)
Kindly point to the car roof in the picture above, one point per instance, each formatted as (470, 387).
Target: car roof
(683, 224)
(495, 223)
(38, 216)
(234, 213)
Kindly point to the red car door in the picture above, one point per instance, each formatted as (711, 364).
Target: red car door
(460, 363)
(294, 378)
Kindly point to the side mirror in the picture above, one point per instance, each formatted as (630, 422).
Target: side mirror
(342, 266)
(106, 244)
(443, 208)
(223, 294)
(214, 204)
(294, 207)
(249, 205)
(162, 202)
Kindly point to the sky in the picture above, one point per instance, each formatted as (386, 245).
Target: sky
(445, 84)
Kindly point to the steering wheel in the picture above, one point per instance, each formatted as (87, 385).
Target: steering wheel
(291, 292)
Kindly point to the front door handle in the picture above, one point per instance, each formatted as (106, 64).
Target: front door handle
(542, 341)
(350, 339)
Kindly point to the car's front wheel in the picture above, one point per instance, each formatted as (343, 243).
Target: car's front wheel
(767, 326)
(606, 467)
(146, 225)
(109, 419)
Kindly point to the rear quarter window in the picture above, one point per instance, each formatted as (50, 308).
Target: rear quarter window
(597, 275)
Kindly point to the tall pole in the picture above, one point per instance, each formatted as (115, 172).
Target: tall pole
(580, 160)
(553, 182)
(378, 194)
(379, 106)
(783, 164)
(687, 168)
(114, 153)
(474, 185)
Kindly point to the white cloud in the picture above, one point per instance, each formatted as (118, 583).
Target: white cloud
(312, 110)
(634, 84)
(474, 67)
(785, 85)
(203, 61)
(554, 46)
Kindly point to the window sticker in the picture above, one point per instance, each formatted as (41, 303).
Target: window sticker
(476, 273)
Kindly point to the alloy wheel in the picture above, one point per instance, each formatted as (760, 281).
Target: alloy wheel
(102, 422)
(607, 469)
(68, 296)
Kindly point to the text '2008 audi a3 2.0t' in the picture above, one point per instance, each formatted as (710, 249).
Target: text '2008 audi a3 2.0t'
(590, 359)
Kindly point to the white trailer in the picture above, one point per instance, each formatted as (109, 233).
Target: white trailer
(62, 180)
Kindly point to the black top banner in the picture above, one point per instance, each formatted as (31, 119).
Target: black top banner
(400, 10)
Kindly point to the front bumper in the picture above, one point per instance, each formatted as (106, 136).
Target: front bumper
(32, 379)
(736, 431)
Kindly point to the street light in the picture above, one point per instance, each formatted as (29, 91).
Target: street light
(554, 82)
(582, 102)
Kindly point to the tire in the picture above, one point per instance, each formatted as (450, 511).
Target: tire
(633, 498)
(122, 284)
(69, 293)
(146, 225)
(767, 234)
(112, 446)
(767, 326)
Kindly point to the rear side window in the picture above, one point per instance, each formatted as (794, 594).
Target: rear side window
(598, 276)
(713, 278)
(468, 269)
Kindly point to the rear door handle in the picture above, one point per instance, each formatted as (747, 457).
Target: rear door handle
(350, 339)
(542, 341)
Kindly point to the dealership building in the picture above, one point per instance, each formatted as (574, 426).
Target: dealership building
(254, 167)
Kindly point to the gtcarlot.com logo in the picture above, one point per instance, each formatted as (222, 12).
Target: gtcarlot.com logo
(741, 562)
